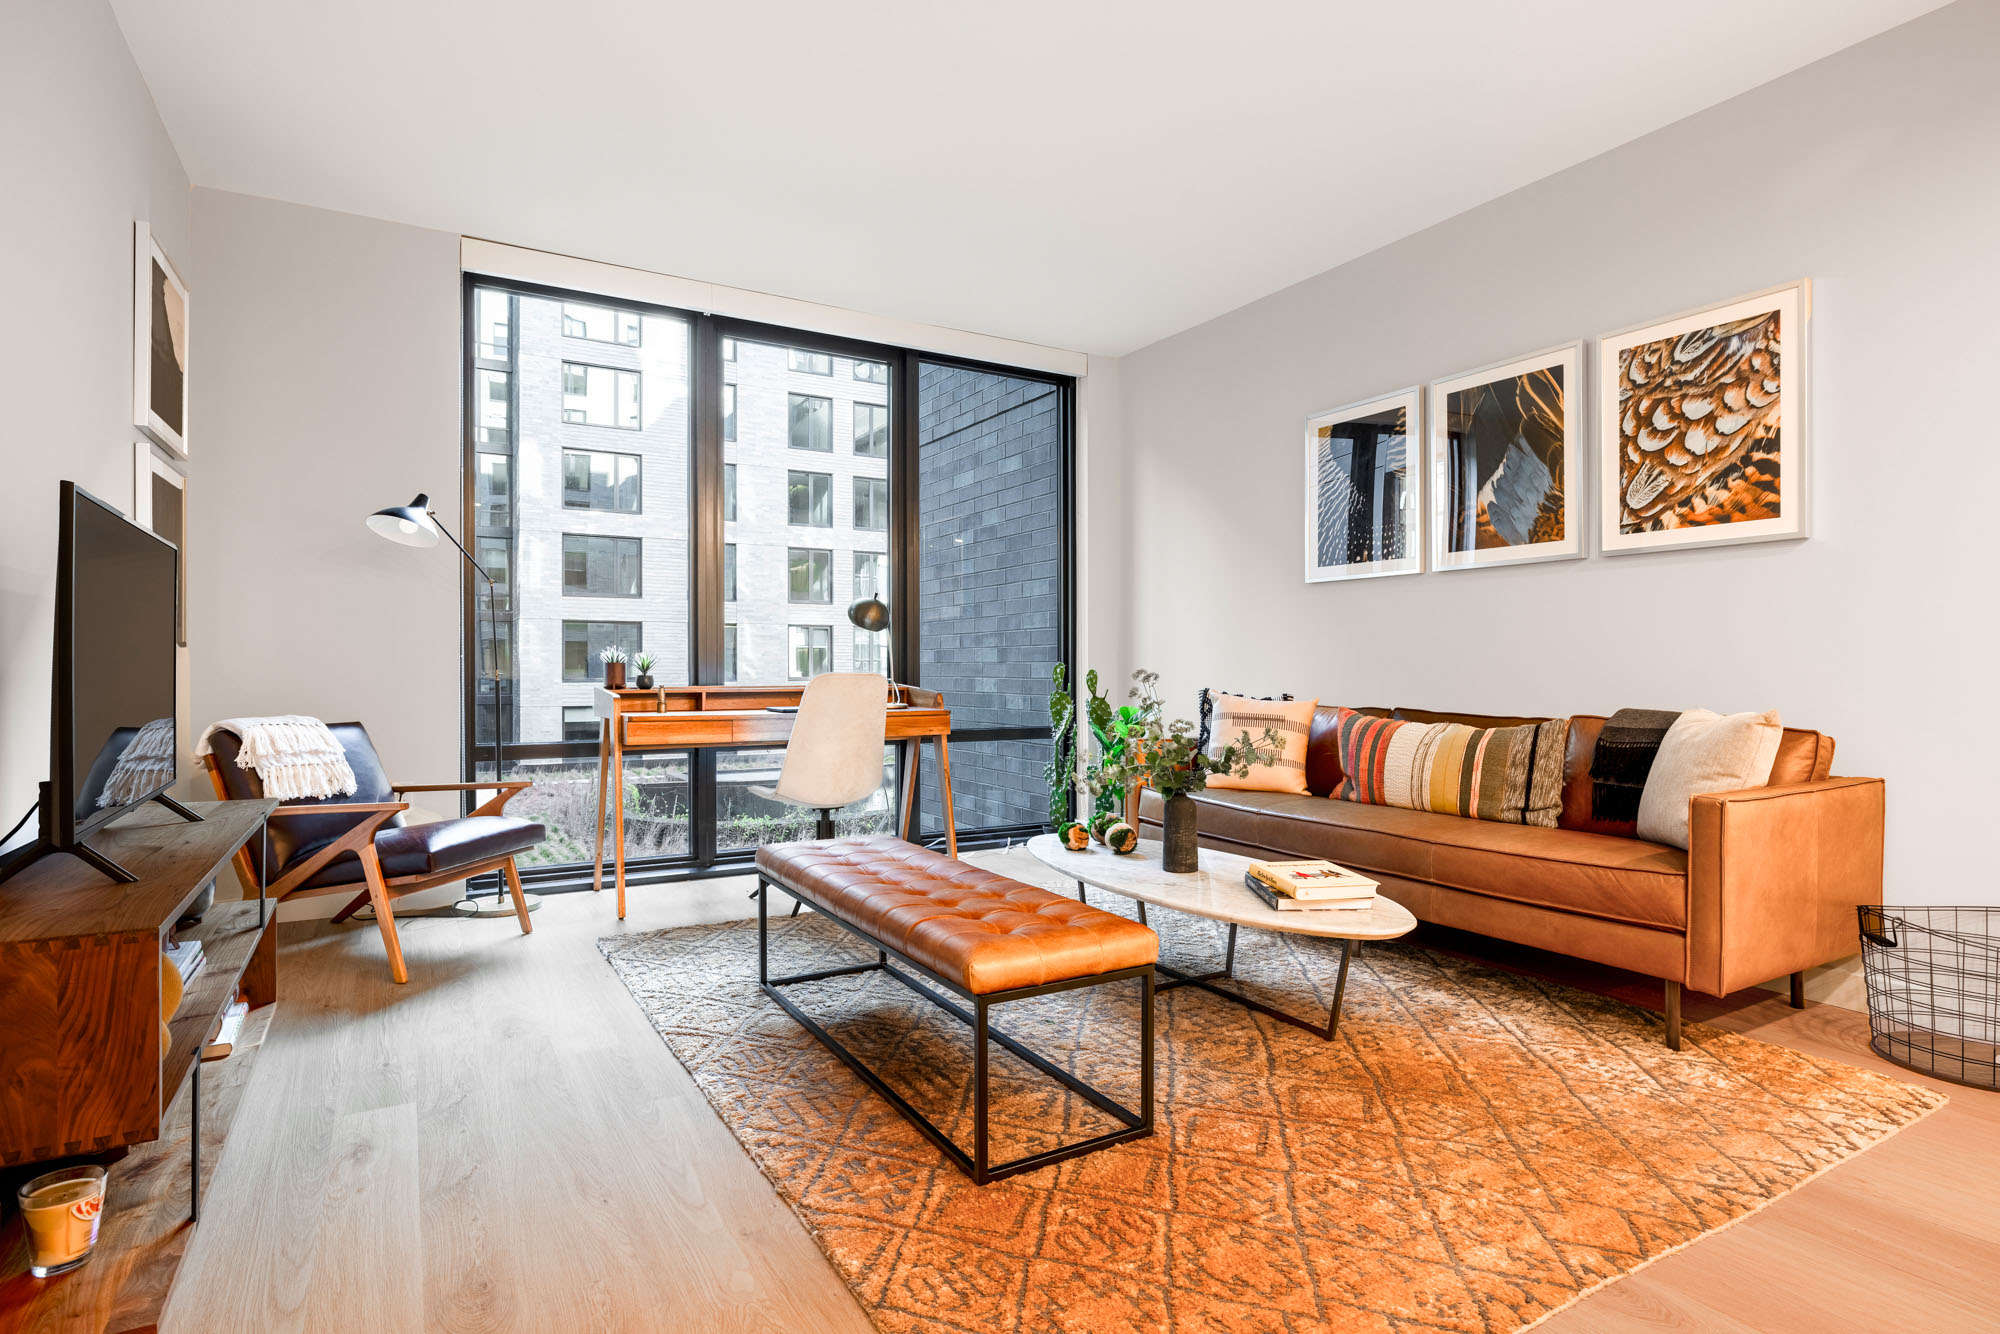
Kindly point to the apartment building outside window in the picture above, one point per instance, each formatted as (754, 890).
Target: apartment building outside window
(600, 324)
(599, 480)
(811, 420)
(729, 655)
(872, 372)
(810, 575)
(871, 430)
(600, 396)
(812, 650)
(729, 412)
(729, 492)
(870, 575)
(583, 641)
(729, 572)
(601, 567)
(871, 504)
(810, 498)
(812, 363)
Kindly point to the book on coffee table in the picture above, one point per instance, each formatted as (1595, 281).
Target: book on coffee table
(1286, 903)
(1312, 880)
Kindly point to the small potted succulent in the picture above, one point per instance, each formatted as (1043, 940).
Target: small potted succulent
(644, 662)
(614, 666)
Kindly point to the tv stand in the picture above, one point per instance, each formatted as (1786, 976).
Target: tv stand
(178, 809)
(82, 851)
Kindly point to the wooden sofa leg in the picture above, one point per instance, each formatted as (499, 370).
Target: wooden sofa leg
(1674, 1016)
(520, 899)
(1798, 991)
(385, 916)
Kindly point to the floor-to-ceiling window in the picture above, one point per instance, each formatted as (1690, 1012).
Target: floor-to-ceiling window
(715, 494)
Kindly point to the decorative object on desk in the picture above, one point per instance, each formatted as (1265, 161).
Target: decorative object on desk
(1074, 836)
(416, 525)
(644, 662)
(872, 616)
(1701, 426)
(1507, 462)
(1060, 772)
(159, 344)
(1162, 755)
(1121, 838)
(1362, 485)
(613, 659)
(62, 1210)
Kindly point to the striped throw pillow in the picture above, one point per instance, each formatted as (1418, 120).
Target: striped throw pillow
(1290, 719)
(1512, 775)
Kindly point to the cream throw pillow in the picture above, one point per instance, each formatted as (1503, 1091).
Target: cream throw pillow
(1705, 752)
(1291, 719)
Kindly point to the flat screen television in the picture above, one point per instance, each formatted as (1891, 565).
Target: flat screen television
(114, 723)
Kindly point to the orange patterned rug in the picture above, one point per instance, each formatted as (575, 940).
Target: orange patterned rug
(1475, 1150)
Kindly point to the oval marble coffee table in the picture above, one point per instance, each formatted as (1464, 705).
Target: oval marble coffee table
(1218, 893)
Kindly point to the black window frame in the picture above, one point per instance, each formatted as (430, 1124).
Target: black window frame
(854, 446)
(639, 476)
(639, 337)
(590, 672)
(867, 486)
(811, 475)
(792, 400)
(706, 338)
(638, 396)
(794, 349)
(819, 574)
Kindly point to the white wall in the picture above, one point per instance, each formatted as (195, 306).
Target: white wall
(1873, 173)
(82, 157)
(330, 389)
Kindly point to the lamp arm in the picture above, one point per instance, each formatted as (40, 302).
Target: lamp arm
(461, 548)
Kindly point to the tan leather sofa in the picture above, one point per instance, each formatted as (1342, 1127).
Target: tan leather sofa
(1767, 887)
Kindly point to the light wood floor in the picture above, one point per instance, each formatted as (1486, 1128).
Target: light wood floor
(504, 1144)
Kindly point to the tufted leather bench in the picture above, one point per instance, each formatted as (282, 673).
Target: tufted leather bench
(971, 933)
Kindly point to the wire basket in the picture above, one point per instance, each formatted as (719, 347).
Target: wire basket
(1933, 979)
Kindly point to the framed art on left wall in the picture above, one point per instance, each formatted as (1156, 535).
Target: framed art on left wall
(1363, 488)
(159, 503)
(159, 345)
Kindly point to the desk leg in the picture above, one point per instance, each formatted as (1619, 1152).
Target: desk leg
(913, 754)
(603, 768)
(617, 778)
(944, 791)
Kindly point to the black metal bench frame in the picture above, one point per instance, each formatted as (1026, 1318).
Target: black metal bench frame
(1136, 1125)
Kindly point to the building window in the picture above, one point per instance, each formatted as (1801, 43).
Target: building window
(870, 575)
(492, 558)
(872, 372)
(496, 651)
(494, 316)
(492, 492)
(600, 324)
(584, 640)
(812, 422)
(729, 349)
(812, 651)
(600, 567)
(812, 363)
(810, 498)
(579, 723)
(871, 504)
(729, 412)
(871, 430)
(600, 396)
(867, 652)
(729, 492)
(729, 572)
(494, 408)
(595, 480)
(729, 654)
(811, 574)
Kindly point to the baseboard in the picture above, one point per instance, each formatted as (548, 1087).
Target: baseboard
(1838, 983)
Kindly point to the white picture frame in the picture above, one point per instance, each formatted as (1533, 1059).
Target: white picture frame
(159, 505)
(1492, 433)
(1767, 469)
(159, 345)
(1392, 484)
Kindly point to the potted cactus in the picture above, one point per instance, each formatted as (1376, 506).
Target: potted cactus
(613, 658)
(644, 662)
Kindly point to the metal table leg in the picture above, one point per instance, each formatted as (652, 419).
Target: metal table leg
(194, 1141)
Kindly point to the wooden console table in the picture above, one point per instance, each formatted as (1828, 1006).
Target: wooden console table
(83, 1070)
(733, 717)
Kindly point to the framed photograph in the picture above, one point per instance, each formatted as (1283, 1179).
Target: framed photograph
(1701, 431)
(1506, 462)
(159, 503)
(1363, 516)
(159, 345)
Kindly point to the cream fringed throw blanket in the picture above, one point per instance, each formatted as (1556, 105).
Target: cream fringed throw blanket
(144, 767)
(293, 755)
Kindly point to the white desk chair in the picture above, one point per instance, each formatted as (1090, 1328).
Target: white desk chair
(834, 757)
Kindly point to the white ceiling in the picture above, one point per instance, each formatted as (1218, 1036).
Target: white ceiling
(1085, 174)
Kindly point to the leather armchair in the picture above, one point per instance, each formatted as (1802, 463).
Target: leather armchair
(337, 845)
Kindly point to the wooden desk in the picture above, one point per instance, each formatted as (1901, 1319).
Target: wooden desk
(732, 717)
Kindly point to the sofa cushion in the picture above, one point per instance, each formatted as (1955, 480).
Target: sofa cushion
(1510, 774)
(1618, 879)
(1290, 721)
(1803, 757)
(429, 849)
(1323, 772)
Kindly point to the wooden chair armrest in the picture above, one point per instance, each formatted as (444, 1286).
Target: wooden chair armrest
(374, 815)
(504, 792)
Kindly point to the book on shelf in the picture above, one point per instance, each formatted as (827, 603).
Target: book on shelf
(187, 958)
(1312, 880)
(1286, 903)
(227, 1032)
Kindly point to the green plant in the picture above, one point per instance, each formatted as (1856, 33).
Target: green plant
(644, 662)
(1162, 754)
(1060, 771)
(1104, 722)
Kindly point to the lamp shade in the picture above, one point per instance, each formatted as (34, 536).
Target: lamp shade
(408, 524)
(871, 614)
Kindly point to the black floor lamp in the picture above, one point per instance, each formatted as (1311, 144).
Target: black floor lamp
(415, 525)
(872, 615)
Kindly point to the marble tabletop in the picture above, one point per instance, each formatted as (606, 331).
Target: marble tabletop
(1215, 891)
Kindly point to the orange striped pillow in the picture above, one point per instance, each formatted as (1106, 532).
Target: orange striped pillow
(1291, 719)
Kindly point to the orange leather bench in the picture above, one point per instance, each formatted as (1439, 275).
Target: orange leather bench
(971, 933)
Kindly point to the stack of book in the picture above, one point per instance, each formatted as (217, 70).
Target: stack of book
(1319, 886)
(187, 958)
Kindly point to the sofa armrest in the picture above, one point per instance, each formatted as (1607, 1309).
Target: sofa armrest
(1774, 875)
